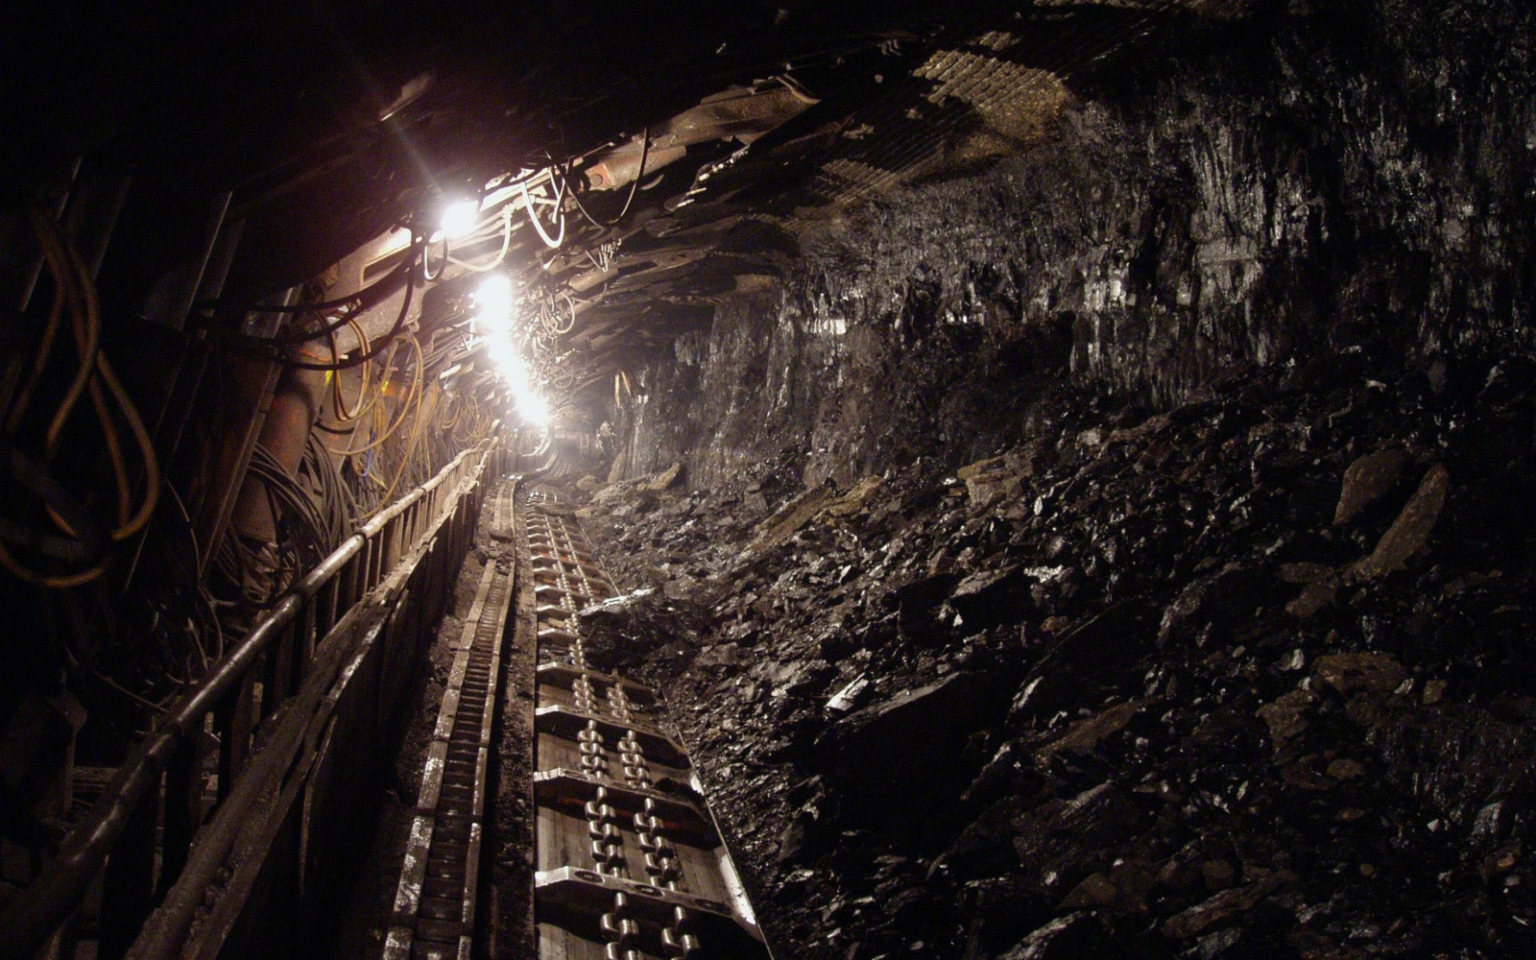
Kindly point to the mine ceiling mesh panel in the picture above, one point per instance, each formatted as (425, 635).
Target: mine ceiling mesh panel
(982, 93)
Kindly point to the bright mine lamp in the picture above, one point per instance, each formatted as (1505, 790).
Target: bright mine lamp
(459, 218)
(494, 302)
(532, 408)
(499, 348)
(513, 370)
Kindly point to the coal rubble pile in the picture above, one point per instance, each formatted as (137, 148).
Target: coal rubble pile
(1254, 676)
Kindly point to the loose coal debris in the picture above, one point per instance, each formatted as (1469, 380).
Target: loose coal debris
(1250, 677)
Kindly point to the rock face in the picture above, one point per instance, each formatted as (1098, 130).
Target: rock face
(1150, 704)
(1410, 532)
(1191, 615)
(1367, 479)
(621, 631)
(897, 745)
(1308, 182)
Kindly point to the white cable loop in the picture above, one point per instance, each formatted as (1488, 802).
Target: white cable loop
(555, 242)
(506, 244)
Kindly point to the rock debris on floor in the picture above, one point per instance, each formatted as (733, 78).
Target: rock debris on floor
(1252, 676)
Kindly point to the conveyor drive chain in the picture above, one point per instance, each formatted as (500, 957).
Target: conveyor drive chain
(434, 907)
(631, 866)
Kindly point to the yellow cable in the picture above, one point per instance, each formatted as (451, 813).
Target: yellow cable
(83, 338)
(114, 454)
(343, 415)
(79, 300)
(404, 409)
(410, 447)
(65, 287)
(146, 449)
(48, 580)
(458, 411)
(371, 406)
(125, 407)
(50, 329)
(73, 283)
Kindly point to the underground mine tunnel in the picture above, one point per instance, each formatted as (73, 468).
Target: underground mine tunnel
(978, 480)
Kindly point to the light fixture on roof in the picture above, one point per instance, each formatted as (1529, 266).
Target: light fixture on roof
(459, 218)
(494, 301)
(493, 304)
(533, 408)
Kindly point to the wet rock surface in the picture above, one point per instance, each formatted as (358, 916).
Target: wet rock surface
(1087, 717)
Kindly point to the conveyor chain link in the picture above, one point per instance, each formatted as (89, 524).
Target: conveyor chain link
(620, 931)
(676, 939)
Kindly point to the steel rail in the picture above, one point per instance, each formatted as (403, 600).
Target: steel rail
(44, 906)
(435, 905)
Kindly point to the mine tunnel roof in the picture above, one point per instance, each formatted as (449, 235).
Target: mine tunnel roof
(688, 148)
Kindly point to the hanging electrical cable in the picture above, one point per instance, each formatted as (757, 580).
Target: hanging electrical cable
(75, 290)
(426, 260)
(411, 442)
(551, 242)
(343, 413)
(86, 320)
(41, 228)
(378, 348)
(551, 322)
(370, 294)
(403, 409)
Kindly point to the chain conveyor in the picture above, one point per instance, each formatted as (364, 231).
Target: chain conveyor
(630, 863)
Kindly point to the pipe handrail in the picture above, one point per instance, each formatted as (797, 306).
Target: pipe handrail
(43, 905)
